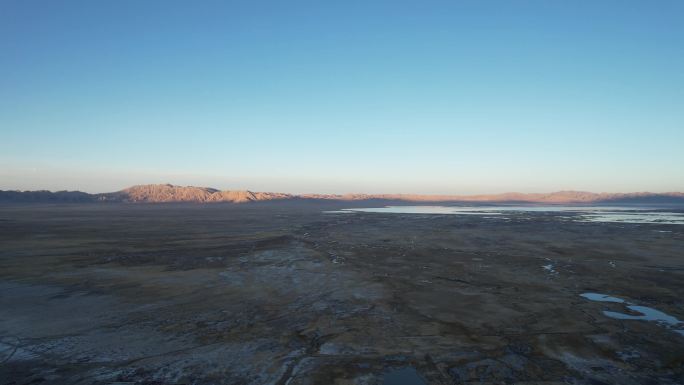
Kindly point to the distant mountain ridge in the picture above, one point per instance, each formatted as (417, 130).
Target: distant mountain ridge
(167, 193)
(158, 193)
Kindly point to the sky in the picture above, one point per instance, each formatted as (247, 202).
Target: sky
(449, 97)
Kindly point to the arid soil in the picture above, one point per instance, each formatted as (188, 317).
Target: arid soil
(282, 293)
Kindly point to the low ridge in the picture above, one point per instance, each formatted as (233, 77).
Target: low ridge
(167, 193)
(158, 193)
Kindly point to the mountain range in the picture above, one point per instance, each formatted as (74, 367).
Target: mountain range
(166, 193)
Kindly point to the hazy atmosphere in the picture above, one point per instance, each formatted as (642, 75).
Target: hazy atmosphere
(453, 97)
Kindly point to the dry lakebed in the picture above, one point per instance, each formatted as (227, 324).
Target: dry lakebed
(314, 293)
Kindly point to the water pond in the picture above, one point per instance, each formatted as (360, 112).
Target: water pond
(643, 313)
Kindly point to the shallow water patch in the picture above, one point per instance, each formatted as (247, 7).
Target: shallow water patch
(601, 297)
(649, 314)
(642, 217)
(550, 268)
(618, 214)
(643, 313)
(428, 210)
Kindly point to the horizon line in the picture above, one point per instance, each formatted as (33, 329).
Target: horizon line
(353, 193)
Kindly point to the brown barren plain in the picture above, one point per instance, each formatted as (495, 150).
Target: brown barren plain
(282, 293)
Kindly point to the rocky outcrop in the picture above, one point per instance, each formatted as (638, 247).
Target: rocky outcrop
(159, 193)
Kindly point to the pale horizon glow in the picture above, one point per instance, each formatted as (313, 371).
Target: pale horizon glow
(454, 98)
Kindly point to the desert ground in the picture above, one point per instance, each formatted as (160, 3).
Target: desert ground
(284, 293)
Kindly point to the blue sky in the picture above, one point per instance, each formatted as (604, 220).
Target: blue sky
(350, 96)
